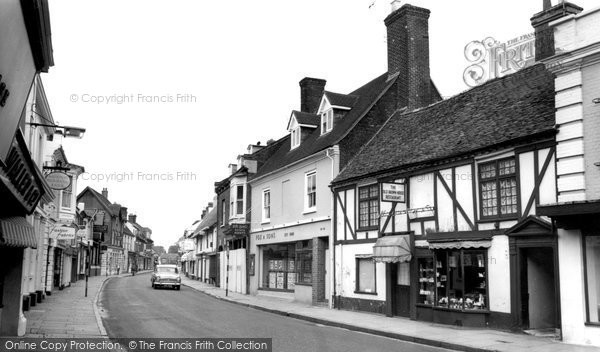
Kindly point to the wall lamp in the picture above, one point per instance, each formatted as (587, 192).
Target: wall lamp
(65, 131)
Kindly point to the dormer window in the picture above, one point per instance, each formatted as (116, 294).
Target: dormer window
(296, 137)
(326, 121)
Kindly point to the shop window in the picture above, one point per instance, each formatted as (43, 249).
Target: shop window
(592, 273)
(304, 262)
(279, 267)
(426, 281)
(365, 275)
(498, 189)
(461, 279)
(266, 204)
(368, 207)
(311, 191)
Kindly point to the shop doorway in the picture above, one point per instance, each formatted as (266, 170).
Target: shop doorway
(537, 291)
(400, 289)
(327, 284)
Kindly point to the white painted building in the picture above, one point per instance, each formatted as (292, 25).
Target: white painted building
(576, 65)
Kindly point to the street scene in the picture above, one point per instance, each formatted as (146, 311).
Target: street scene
(318, 176)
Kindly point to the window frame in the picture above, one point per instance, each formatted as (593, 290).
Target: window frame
(357, 281)
(307, 207)
(239, 202)
(67, 192)
(326, 121)
(266, 219)
(585, 279)
(295, 137)
(368, 200)
(497, 179)
(223, 212)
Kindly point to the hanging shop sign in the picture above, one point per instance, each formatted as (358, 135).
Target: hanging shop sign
(393, 192)
(58, 180)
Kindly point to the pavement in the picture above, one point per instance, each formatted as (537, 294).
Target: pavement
(444, 336)
(68, 313)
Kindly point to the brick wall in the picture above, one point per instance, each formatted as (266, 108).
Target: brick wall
(318, 269)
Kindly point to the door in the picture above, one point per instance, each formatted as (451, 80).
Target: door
(327, 284)
(401, 289)
(538, 289)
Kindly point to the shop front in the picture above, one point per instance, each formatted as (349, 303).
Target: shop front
(291, 261)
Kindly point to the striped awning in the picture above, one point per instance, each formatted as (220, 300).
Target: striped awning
(460, 244)
(392, 249)
(17, 232)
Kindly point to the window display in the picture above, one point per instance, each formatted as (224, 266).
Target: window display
(426, 281)
(278, 267)
(460, 279)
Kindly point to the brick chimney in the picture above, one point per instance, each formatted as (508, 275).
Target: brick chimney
(105, 193)
(132, 218)
(311, 92)
(408, 54)
(544, 34)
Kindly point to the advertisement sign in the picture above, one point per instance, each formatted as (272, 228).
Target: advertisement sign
(58, 180)
(63, 232)
(393, 192)
(188, 245)
(17, 71)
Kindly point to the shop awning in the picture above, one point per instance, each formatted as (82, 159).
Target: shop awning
(460, 244)
(17, 232)
(392, 249)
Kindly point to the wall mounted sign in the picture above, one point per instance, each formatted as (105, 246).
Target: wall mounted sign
(100, 228)
(58, 180)
(20, 171)
(238, 230)
(393, 192)
(63, 232)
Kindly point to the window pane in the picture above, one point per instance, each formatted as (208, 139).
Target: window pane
(374, 212)
(363, 193)
(366, 275)
(487, 170)
(592, 254)
(489, 201)
(475, 279)
(506, 167)
(363, 214)
(508, 196)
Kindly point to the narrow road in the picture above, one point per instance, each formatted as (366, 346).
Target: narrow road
(131, 308)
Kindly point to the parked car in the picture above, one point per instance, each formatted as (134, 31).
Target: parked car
(166, 275)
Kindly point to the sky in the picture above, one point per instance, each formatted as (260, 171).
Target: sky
(171, 92)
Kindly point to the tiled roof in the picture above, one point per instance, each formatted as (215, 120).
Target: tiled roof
(315, 142)
(498, 112)
(209, 220)
(305, 118)
(337, 99)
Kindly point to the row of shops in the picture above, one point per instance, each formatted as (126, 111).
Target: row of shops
(478, 210)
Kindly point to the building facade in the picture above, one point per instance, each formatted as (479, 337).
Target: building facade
(576, 65)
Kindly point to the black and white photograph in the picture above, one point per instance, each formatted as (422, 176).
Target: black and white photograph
(291, 176)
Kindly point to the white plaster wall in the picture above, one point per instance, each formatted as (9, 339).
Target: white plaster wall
(499, 275)
(548, 185)
(572, 294)
(464, 195)
(526, 179)
(444, 203)
(345, 268)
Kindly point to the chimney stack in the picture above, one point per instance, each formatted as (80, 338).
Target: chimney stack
(311, 92)
(544, 34)
(132, 218)
(408, 54)
(105, 193)
(232, 168)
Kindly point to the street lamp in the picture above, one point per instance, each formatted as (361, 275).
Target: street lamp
(65, 131)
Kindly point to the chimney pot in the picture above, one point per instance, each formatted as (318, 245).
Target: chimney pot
(311, 92)
(105, 192)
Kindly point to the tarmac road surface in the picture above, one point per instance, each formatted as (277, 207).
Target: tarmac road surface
(131, 308)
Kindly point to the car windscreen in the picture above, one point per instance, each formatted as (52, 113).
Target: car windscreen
(167, 270)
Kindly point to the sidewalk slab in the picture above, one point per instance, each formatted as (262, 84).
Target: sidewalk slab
(445, 336)
(68, 313)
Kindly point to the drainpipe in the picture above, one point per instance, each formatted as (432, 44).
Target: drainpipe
(331, 239)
